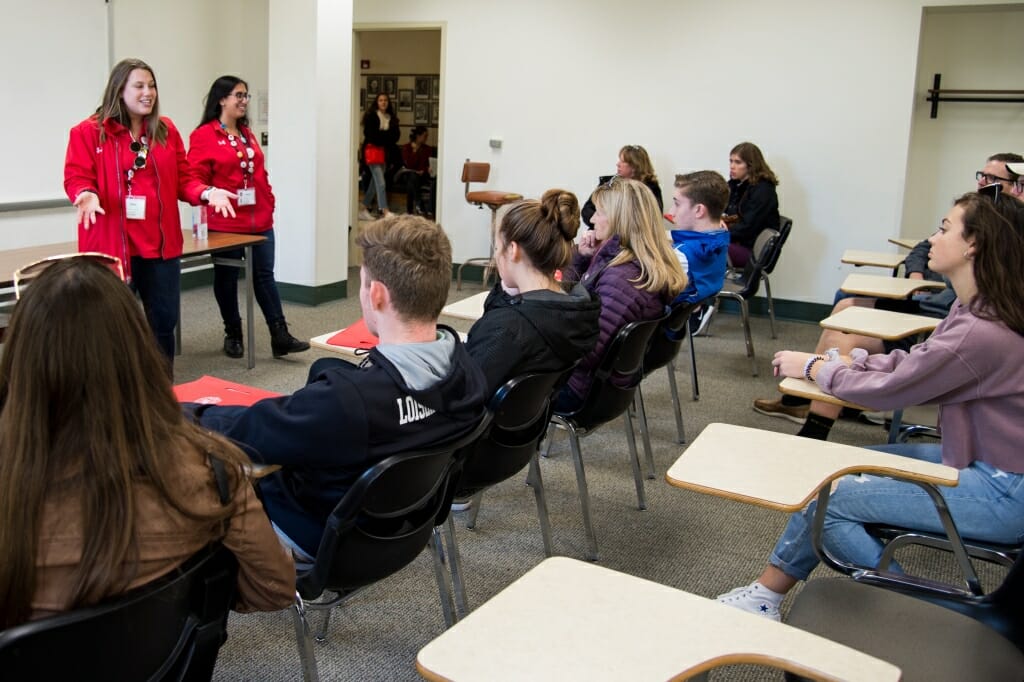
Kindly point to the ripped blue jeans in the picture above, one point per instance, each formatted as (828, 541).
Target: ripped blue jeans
(987, 505)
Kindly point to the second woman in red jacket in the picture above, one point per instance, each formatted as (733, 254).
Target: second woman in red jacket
(223, 152)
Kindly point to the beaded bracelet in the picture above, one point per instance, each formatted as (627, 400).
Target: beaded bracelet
(809, 364)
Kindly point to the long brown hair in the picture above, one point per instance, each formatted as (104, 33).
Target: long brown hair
(638, 159)
(544, 229)
(757, 167)
(996, 230)
(113, 101)
(89, 414)
(633, 215)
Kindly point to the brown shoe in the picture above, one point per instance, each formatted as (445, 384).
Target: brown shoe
(774, 408)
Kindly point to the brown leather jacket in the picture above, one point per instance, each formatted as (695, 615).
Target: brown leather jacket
(166, 538)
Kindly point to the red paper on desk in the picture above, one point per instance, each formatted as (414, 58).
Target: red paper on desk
(354, 336)
(208, 390)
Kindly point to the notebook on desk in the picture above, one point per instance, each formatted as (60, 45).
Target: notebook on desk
(356, 335)
(207, 390)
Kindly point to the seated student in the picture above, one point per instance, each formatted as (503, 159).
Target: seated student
(753, 202)
(969, 366)
(530, 324)
(817, 417)
(629, 264)
(633, 164)
(103, 484)
(416, 388)
(415, 172)
(700, 242)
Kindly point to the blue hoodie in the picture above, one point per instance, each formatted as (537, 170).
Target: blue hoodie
(706, 254)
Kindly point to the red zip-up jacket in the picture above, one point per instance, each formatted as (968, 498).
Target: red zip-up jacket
(101, 168)
(216, 163)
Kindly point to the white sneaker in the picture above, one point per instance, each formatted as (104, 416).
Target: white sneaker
(701, 320)
(462, 505)
(753, 598)
(364, 214)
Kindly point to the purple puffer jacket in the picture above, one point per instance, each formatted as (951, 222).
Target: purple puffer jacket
(621, 303)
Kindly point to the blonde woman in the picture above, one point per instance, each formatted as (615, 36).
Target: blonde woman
(627, 261)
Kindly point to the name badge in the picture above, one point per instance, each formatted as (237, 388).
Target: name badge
(135, 208)
(247, 196)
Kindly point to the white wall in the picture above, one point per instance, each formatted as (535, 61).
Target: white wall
(976, 49)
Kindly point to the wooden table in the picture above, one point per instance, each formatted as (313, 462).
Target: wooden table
(194, 252)
(810, 390)
(572, 620)
(471, 308)
(904, 243)
(878, 259)
(880, 286)
(782, 471)
(879, 324)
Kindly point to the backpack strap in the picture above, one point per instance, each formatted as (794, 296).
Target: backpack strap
(220, 475)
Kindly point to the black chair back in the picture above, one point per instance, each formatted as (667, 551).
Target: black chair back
(749, 281)
(667, 340)
(772, 257)
(520, 412)
(617, 375)
(385, 519)
(170, 629)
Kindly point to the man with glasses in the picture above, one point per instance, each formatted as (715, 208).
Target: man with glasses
(817, 422)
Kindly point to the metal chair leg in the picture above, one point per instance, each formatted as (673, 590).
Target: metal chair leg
(694, 383)
(542, 503)
(581, 484)
(474, 509)
(680, 432)
(634, 461)
(321, 635)
(441, 574)
(894, 427)
(745, 311)
(641, 412)
(455, 565)
(771, 304)
(304, 641)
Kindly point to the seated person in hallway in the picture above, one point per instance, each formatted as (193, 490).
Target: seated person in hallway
(970, 367)
(699, 240)
(629, 264)
(633, 164)
(530, 324)
(104, 486)
(753, 202)
(418, 387)
(816, 418)
(415, 173)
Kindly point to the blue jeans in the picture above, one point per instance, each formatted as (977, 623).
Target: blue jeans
(158, 284)
(987, 505)
(225, 282)
(376, 187)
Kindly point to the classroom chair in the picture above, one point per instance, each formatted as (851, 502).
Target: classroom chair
(476, 171)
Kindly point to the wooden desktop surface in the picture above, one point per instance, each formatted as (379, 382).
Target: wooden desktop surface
(471, 308)
(782, 471)
(881, 259)
(810, 390)
(884, 286)
(570, 620)
(879, 324)
(904, 243)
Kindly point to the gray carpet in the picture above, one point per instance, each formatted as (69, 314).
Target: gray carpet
(690, 541)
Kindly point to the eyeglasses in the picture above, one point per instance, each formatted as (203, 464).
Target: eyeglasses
(988, 178)
(29, 272)
(243, 96)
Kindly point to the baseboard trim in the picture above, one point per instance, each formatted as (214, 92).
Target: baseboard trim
(793, 311)
(293, 293)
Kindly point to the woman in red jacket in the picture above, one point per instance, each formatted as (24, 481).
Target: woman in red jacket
(125, 171)
(223, 151)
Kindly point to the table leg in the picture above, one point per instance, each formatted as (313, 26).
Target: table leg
(250, 326)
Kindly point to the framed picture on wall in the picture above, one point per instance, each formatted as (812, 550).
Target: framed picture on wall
(423, 87)
(362, 99)
(372, 85)
(421, 114)
(390, 84)
(436, 87)
(435, 113)
(405, 100)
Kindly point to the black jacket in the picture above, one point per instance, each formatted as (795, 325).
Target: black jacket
(757, 207)
(539, 331)
(587, 212)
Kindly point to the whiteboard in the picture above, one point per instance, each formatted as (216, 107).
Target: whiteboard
(53, 68)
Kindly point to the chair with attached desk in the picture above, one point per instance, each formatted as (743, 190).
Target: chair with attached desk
(615, 382)
(476, 171)
(381, 524)
(520, 411)
(930, 630)
(170, 629)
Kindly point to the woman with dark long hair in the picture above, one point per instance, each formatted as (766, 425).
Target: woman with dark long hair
(970, 367)
(753, 202)
(380, 135)
(104, 486)
(223, 151)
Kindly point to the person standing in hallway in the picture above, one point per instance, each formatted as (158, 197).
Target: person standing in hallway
(223, 151)
(380, 135)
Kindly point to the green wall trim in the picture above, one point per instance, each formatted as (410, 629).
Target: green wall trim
(293, 293)
(794, 311)
(197, 278)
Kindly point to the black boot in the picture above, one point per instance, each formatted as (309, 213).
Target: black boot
(282, 343)
(233, 347)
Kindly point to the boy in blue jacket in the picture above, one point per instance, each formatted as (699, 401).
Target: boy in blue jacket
(700, 241)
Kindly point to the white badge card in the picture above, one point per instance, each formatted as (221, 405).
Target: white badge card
(247, 196)
(135, 208)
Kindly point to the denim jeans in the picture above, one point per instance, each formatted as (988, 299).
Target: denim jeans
(376, 187)
(987, 505)
(225, 282)
(158, 284)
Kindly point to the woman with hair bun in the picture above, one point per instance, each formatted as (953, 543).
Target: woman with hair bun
(530, 323)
